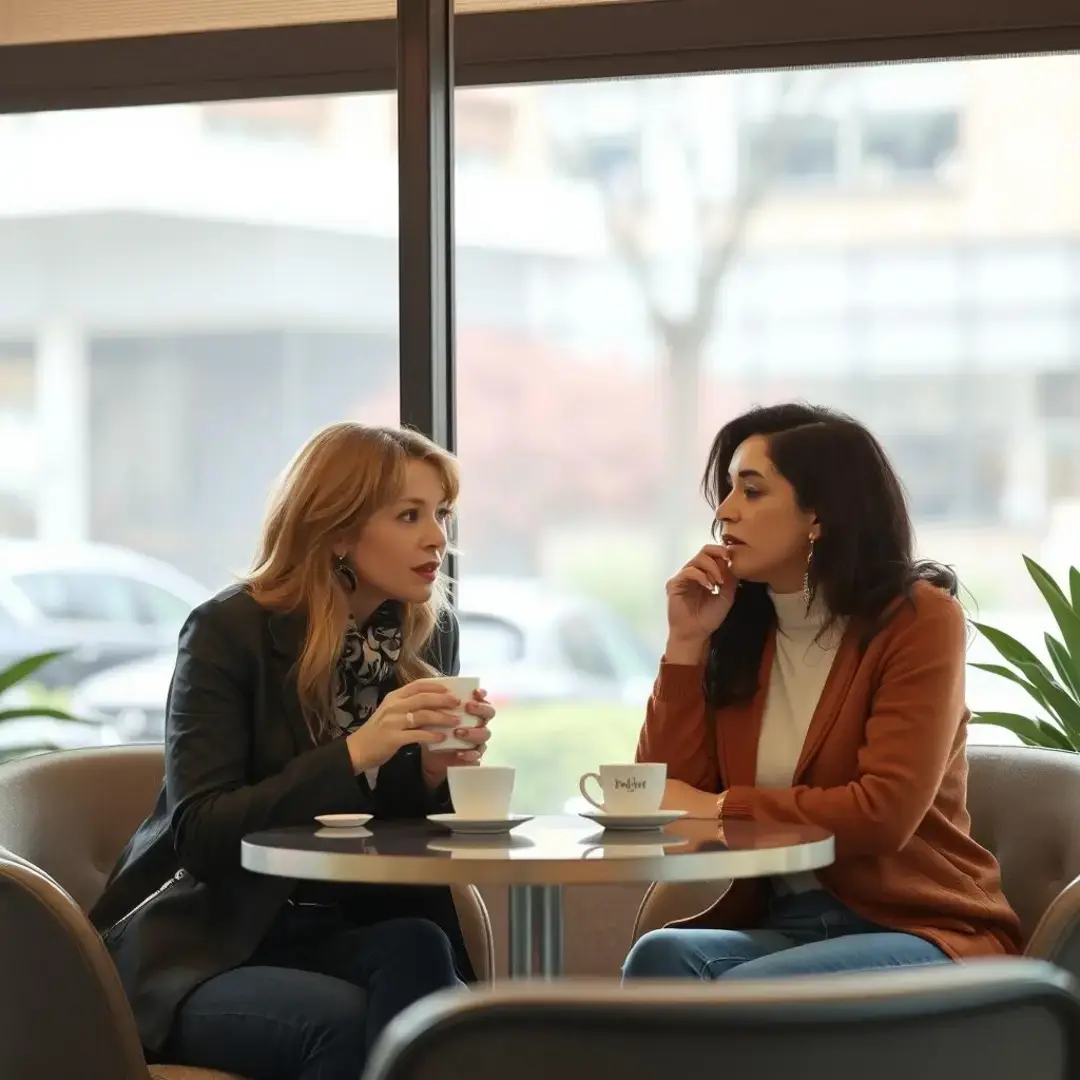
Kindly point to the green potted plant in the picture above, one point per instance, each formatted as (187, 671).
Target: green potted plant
(1056, 692)
(18, 675)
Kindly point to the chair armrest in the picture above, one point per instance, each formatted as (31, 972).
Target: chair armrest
(476, 930)
(63, 1011)
(1057, 936)
(666, 903)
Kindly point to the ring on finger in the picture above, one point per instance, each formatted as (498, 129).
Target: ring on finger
(410, 720)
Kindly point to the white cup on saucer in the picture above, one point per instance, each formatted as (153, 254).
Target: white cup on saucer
(627, 789)
(462, 687)
(481, 791)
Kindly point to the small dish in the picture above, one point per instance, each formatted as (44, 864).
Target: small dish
(343, 821)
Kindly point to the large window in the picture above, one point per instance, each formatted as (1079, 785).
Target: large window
(186, 293)
(899, 242)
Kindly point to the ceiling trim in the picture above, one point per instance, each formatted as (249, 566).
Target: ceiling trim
(570, 42)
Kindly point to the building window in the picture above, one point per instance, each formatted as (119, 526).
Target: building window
(796, 150)
(908, 145)
(847, 151)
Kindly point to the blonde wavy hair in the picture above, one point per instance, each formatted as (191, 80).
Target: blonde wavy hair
(324, 498)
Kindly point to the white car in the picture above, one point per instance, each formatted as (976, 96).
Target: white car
(102, 605)
(527, 640)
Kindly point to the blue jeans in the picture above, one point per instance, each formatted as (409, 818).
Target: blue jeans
(310, 1004)
(802, 934)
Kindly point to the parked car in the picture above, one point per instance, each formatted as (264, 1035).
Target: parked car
(525, 639)
(106, 605)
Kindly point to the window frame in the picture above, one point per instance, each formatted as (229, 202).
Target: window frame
(576, 41)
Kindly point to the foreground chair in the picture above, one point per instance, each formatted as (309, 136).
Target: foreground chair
(64, 818)
(995, 1020)
(1023, 805)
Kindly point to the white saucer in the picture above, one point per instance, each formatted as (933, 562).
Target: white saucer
(460, 824)
(343, 821)
(655, 820)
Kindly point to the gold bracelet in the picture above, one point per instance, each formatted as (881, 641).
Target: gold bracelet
(720, 805)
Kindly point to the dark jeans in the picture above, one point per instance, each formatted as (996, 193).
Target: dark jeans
(313, 999)
(807, 933)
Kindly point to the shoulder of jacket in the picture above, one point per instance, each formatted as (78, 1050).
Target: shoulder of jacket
(928, 610)
(233, 612)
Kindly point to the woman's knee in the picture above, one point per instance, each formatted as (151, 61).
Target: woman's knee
(659, 954)
(337, 1023)
(420, 945)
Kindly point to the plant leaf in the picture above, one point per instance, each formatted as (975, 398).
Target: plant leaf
(1011, 649)
(1024, 727)
(1069, 671)
(1074, 587)
(1056, 735)
(35, 711)
(1067, 619)
(1058, 701)
(23, 669)
(1008, 673)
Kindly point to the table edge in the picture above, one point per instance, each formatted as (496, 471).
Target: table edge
(346, 867)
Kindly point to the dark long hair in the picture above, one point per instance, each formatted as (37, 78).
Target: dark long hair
(863, 559)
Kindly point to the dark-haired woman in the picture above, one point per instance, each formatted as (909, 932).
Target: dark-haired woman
(814, 674)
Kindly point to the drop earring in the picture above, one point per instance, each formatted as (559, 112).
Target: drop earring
(807, 590)
(345, 571)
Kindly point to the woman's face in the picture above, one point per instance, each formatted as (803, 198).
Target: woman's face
(761, 522)
(400, 550)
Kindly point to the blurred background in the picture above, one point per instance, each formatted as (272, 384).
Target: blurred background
(188, 292)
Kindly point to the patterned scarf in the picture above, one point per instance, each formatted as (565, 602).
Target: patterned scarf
(368, 657)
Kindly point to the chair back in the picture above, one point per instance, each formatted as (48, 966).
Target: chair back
(71, 813)
(997, 1020)
(1025, 808)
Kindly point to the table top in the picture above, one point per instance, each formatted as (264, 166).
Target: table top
(543, 851)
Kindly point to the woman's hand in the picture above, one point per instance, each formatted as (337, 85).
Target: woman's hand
(697, 804)
(435, 764)
(699, 598)
(398, 721)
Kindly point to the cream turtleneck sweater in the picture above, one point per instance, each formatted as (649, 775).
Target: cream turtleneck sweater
(799, 670)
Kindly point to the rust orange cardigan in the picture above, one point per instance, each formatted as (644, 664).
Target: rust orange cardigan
(883, 768)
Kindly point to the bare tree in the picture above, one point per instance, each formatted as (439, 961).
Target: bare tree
(720, 220)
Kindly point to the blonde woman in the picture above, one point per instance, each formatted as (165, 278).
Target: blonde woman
(293, 696)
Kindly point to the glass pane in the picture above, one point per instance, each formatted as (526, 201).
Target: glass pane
(641, 260)
(187, 292)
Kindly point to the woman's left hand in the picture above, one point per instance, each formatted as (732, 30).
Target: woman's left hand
(435, 763)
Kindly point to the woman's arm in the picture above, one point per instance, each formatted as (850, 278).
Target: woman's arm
(208, 757)
(676, 732)
(911, 737)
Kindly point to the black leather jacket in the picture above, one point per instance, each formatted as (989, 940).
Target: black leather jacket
(178, 908)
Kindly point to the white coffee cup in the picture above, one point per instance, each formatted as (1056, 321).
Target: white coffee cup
(462, 687)
(481, 791)
(627, 789)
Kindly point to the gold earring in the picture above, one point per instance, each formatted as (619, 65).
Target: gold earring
(807, 590)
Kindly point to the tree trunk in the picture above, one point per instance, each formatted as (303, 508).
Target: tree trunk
(682, 508)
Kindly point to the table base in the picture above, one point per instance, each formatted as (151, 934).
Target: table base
(536, 931)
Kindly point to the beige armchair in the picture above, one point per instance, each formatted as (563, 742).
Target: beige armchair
(1024, 807)
(64, 818)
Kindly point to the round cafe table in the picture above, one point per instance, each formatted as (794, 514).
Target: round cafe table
(535, 861)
